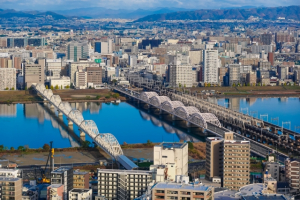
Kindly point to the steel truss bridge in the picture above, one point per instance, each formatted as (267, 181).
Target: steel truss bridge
(105, 141)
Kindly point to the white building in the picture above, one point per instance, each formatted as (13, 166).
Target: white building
(108, 73)
(132, 60)
(180, 76)
(196, 56)
(73, 67)
(61, 82)
(81, 79)
(53, 67)
(10, 173)
(175, 154)
(80, 194)
(210, 66)
(7, 78)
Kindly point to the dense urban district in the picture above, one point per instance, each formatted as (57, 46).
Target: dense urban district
(169, 64)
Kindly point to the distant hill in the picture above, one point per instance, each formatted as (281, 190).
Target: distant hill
(99, 12)
(10, 13)
(290, 12)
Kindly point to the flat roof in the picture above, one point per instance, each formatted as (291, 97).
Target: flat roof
(79, 190)
(55, 185)
(61, 169)
(79, 173)
(182, 186)
(169, 145)
(214, 138)
(9, 179)
(236, 142)
(264, 197)
(249, 189)
(119, 171)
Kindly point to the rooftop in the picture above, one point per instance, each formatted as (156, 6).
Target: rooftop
(170, 145)
(79, 173)
(119, 171)
(236, 142)
(61, 169)
(214, 138)
(9, 179)
(79, 190)
(179, 186)
(264, 197)
(55, 185)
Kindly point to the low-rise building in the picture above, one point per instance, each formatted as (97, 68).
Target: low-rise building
(55, 192)
(30, 195)
(62, 82)
(182, 191)
(7, 78)
(80, 194)
(80, 180)
(10, 188)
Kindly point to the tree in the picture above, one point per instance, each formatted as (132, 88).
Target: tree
(67, 87)
(6, 88)
(46, 147)
(56, 87)
(12, 88)
(190, 145)
(149, 142)
(249, 84)
(51, 87)
(264, 84)
(116, 95)
(179, 85)
(25, 88)
(12, 148)
(233, 85)
(47, 87)
(86, 144)
(61, 87)
(21, 148)
(114, 81)
(90, 87)
(208, 84)
(1, 147)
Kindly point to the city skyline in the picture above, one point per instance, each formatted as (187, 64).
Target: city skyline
(57, 5)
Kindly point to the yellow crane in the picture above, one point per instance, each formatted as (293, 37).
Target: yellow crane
(44, 179)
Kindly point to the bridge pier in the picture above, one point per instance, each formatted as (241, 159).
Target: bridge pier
(52, 106)
(82, 135)
(70, 123)
(59, 113)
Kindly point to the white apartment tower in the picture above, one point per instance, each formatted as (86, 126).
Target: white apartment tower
(7, 78)
(180, 75)
(210, 66)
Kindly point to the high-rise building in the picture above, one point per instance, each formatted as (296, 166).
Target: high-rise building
(123, 184)
(64, 176)
(266, 38)
(214, 157)
(273, 169)
(251, 79)
(234, 74)
(236, 163)
(24, 41)
(196, 56)
(180, 75)
(176, 153)
(77, 50)
(102, 47)
(132, 60)
(53, 68)
(256, 49)
(10, 188)
(283, 72)
(7, 78)
(283, 37)
(33, 74)
(210, 66)
(292, 173)
(17, 62)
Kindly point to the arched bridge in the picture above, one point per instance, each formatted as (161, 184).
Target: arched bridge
(105, 141)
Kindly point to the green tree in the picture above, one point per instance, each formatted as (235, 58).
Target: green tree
(47, 87)
(116, 95)
(233, 85)
(114, 81)
(6, 88)
(56, 87)
(208, 84)
(184, 86)
(46, 147)
(179, 85)
(86, 144)
(12, 88)
(12, 148)
(1, 147)
(264, 84)
(21, 148)
(249, 84)
(61, 87)
(90, 87)
(51, 87)
(67, 87)
(190, 145)
(25, 88)
(149, 142)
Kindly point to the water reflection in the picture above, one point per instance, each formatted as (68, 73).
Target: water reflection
(8, 110)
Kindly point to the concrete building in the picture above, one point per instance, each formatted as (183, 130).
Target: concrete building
(264, 65)
(94, 75)
(10, 188)
(10, 173)
(182, 191)
(292, 173)
(8, 78)
(234, 74)
(236, 163)
(30, 195)
(180, 75)
(56, 192)
(102, 47)
(108, 74)
(33, 74)
(196, 57)
(266, 38)
(53, 68)
(283, 72)
(80, 194)
(210, 66)
(81, 79)
(214, 157)
(81, 180)
(256, 49)
(61, 82)
(251, 78)
(77, 50)
(73, 67)
(132, 60)
(273, 169)
(123, 184)
(64, 176)
(172, 153)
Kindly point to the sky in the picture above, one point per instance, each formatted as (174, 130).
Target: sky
(136, 4)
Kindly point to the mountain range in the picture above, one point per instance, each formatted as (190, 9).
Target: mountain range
(268, 13)
(10, 13)
(100, 12)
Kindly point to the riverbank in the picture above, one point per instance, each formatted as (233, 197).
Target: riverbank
(70, 95)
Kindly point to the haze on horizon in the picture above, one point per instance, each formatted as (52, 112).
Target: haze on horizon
(138, 4)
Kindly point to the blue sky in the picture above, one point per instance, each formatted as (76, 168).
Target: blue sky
(136, 4)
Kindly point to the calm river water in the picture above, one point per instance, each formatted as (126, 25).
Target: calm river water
(35, 124)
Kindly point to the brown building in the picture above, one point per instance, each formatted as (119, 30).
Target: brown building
(94, 75)
(292, 173)
(11, 188)
(271, 58)
(249, 61)
(55, 191)
(4, 62)
(3, 42)
(81, 180)
(214, 157)
(33, 73)
(283, 37)
(17, 62)
(182, 191)
(236, 163)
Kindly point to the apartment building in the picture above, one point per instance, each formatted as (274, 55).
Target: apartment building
(196, 56)
(234, 74)
(182, 191)
(81, 180)
(94, 75)
(292, 173)
(180, 75)
(214, 157)
(55, 191)
(64, 176)
(236, 163)
(53, 67)
(11, 188)
(81, 79)
(80, 194)
(123, 184)
(210, 66)
(33, 74)
(10, 173)
(251, 78)
(273, 169)
(7, 78)
(172, 153)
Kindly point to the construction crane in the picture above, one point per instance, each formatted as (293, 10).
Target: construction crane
(44, 179)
